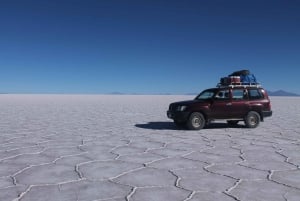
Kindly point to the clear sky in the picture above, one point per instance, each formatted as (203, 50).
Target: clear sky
(146, 46)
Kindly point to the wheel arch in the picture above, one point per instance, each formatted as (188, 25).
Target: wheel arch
(259, 112)
(257, 108)
(200, 111)
(250, 119)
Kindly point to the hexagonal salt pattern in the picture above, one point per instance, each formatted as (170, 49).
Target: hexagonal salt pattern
(259, 190)
(100, 170)
(292, 195)
(238, 171)
(176, 163)
(11, 193)
(123, 148)
(203, 181)
(160, 194)
(81, 190)
(147, 177)
(211, 196)
(290, 178)
(46, 174)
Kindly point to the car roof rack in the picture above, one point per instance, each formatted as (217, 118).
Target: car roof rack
(239, 85)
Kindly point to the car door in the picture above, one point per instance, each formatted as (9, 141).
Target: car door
(220, 106)
(239, 104)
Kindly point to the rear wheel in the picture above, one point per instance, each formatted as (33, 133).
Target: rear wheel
(196, 121)
(252, 119)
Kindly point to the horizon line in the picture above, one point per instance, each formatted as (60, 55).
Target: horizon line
(270, 93)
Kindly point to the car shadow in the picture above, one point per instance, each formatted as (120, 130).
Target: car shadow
(158, 126)
(172, 126)
(223, 125)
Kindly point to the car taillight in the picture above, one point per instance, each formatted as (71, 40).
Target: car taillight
(269, 105)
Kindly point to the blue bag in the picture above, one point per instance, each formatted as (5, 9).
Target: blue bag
(248, 79)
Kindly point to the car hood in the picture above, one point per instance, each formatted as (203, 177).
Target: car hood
(188, 102)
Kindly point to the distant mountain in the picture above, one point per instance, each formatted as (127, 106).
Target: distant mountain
(116, 93)
(281, 93)
(121, 93)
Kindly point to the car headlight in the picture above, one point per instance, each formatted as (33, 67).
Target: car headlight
(181, 108)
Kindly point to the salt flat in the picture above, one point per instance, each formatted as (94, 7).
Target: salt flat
(123, 148)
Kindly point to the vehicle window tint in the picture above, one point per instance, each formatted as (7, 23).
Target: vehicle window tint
(255, 94)
(239, 94)
(222, 95)
(206, 95)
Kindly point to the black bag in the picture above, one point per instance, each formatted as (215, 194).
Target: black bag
(240, 73)
(224, 81)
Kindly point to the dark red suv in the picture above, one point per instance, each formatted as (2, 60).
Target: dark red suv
(250, 104)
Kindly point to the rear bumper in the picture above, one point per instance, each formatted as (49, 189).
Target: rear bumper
(267, 113)
(178, 116)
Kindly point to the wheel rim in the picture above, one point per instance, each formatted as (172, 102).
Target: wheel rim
(253, 120)
(197, 122)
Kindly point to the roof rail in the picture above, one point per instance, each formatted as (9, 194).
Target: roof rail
(235, 85)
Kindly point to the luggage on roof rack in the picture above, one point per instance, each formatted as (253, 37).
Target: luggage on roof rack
(248, 79)
(240, 72)
(239, 78)
(230, 80)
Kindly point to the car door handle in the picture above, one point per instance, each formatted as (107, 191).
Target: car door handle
(228, 104)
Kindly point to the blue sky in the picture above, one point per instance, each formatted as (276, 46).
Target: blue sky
(146, 46)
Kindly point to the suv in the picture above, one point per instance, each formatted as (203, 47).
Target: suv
(250, 104)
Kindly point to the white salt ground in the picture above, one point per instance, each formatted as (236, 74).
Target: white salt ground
(123, 148)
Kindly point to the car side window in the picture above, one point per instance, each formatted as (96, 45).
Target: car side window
(255, 94)
(239, 94)
(205, 95)
(222, 95)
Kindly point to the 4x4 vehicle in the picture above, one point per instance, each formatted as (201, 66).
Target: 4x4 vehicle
(250, 104)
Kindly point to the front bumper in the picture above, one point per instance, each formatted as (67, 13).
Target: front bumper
(178, 115)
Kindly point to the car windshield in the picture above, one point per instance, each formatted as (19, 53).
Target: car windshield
(207, 94)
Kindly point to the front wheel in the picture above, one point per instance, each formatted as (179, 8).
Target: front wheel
(252, 119)
(196, 121)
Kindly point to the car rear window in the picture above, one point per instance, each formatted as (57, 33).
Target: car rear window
(255, 94)
(239, 94)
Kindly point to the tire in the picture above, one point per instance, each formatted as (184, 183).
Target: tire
(196, 121)
(252, 119)
(232, 122)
